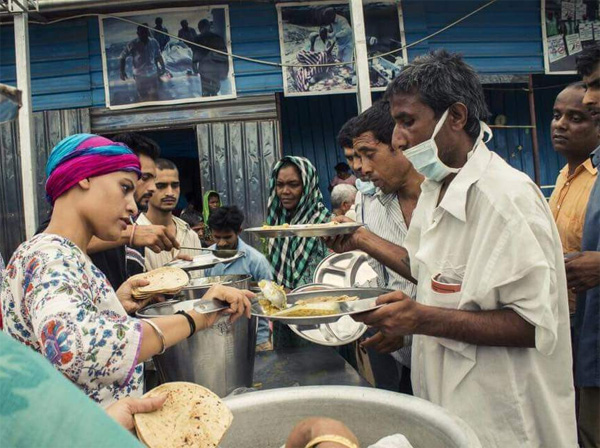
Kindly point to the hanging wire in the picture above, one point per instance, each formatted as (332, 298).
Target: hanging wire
(260, 61)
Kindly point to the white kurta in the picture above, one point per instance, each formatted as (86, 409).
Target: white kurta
(186, 237)
(494, 230)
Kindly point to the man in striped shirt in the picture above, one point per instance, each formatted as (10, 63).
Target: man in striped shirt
(387, 214)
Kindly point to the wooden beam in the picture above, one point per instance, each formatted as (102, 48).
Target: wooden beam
(361, 66)
(28, 168)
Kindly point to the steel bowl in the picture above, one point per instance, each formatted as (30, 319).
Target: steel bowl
(265, 419)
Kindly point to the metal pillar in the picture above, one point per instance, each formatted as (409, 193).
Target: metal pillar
(534, 138)
(28, 168)
(361, 66)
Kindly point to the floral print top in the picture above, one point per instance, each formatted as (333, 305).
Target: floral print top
(56, 301)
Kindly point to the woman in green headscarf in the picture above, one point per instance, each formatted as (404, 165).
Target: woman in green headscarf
(295, 198)
(210, 203)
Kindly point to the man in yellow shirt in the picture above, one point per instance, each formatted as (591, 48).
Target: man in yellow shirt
(574, 136)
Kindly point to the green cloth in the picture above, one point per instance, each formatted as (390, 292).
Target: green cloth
(206, 208)
(39, 407)
(295, 259)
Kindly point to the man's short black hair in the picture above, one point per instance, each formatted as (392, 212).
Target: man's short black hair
(378, 120)
(346, 134)
(139, 144)
(165, 164)
(343, 167)
(588, 60)
(226, 218)
(441, 79)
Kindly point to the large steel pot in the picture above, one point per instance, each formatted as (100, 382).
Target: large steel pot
(197, 287)
(264, 419)
(220, 358)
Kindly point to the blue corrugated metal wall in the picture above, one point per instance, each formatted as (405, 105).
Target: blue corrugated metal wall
(506, 37)
(67, 67)
(309, 127)
(66, 64)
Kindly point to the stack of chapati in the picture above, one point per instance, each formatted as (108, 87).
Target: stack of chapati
(192, 416)
(166, 280)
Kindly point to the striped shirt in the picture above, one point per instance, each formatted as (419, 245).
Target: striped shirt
(382, 215)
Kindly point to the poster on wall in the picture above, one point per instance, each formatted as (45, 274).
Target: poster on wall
(143, 66)
(317, 46)
(568, 26)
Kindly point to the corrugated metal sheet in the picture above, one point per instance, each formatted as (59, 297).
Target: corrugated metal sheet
(506, 37)
(261, 107)
(236, 160)
(49, 128)
(66, 62)
(310, 124)
(12, 224)
(60, 64)
(309, 127)
(67, 67)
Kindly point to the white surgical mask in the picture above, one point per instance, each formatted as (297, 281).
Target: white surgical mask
(367, 188)
(425, 159)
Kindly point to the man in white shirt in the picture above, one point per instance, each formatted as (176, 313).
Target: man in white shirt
(490, 323)
(160, 212)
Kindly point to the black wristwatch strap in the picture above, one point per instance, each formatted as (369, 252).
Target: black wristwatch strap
(190, 320)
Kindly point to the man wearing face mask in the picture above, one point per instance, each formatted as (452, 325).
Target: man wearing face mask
(491, 324)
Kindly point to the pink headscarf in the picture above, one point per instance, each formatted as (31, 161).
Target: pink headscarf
(82, 156)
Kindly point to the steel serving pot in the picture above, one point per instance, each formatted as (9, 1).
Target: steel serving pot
(220, 358)
(265, 419)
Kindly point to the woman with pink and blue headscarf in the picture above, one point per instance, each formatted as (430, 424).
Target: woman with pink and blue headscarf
(56, 301)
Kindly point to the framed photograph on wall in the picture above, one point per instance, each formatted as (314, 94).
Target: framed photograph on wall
(164, 56)
(317, 46)
(568, 26)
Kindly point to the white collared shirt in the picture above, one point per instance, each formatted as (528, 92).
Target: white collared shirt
(185, 237)
(494, 230)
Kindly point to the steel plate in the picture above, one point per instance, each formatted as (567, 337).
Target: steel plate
(366, 302)
(306, 230)
(203, 261)
(345, 270)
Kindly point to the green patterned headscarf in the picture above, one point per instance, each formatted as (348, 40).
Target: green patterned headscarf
(205, 207)
(290, 256)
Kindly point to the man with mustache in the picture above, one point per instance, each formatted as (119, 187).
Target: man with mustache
(583, 276)
(160, 212)
(574, 136)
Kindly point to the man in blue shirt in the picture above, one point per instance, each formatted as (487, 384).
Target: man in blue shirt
(225, 224)
(583, 275)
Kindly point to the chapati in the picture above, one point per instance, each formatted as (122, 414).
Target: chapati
(192, 416)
